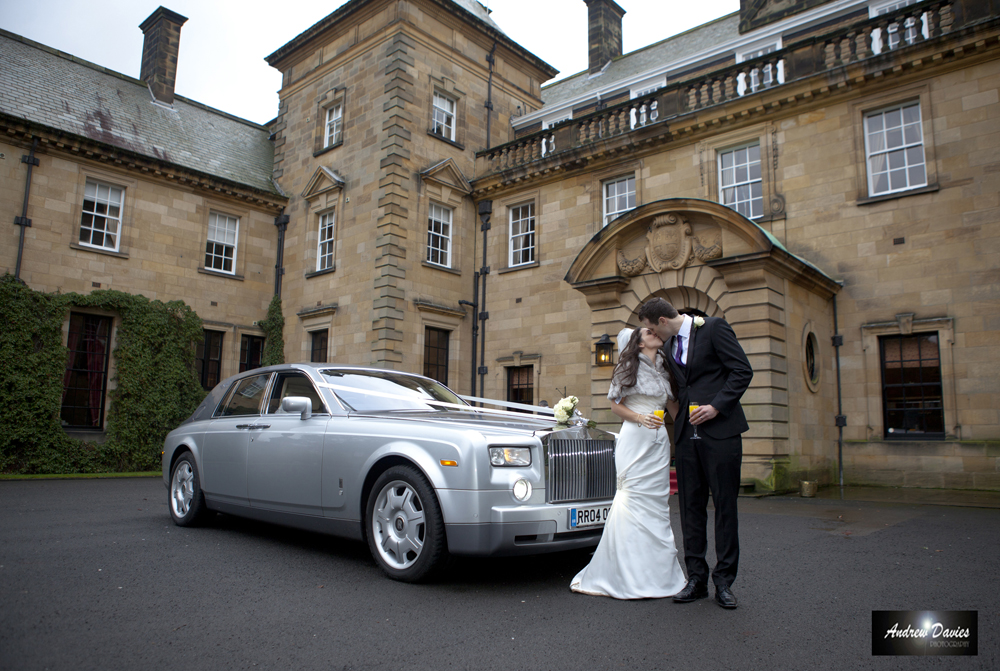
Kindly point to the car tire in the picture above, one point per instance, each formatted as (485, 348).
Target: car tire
(404, 525)
(186, 500)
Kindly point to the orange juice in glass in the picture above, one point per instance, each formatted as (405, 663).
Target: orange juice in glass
(692, 406)
(659, 413)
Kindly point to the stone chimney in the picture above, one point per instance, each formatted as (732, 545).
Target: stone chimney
(161, 43)
(604, 30)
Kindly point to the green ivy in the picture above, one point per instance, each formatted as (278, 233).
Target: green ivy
(273, 327)
(155, 384)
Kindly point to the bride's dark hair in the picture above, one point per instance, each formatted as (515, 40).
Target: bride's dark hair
(628, 361)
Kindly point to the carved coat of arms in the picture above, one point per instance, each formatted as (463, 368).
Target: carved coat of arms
(670, 245)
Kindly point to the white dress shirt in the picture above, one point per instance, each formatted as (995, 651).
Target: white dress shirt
(684, 333)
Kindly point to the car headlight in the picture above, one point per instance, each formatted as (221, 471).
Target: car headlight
(522, 490)
(510, 456)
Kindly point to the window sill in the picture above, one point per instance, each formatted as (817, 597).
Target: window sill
(324, 150)
(217, 273)
(899, 194)
(98, 250)
(510, 269)
(99, 436)
(428, 264)
(316, 273)
(445, 139)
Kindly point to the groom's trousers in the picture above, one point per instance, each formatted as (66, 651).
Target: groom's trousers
(704, 466)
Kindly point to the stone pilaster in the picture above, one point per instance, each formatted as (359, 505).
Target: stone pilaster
(393, 205)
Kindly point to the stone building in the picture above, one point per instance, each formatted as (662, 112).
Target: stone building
(821, 174)
(116, 183)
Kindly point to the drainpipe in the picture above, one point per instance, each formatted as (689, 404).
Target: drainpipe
(281, 221)
(485, 210)
(23, 220)
(841, 419)
(489, 93)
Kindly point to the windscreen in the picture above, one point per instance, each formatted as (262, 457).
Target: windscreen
(381, 391)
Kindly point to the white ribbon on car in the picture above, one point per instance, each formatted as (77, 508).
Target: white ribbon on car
(443, 404)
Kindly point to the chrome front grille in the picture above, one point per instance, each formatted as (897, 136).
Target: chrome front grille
(579, 470)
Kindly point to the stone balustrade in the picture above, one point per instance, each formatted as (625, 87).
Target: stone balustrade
(873, 38)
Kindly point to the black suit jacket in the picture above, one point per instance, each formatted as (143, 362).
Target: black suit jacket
(717, 373)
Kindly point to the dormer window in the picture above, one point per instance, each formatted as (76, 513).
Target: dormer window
(647, 86)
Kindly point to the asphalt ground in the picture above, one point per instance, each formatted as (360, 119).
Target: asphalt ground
(93, 574)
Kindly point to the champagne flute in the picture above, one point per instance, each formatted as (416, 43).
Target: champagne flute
(659, 413)
(692, 406)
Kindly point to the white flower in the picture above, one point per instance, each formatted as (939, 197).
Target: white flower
(564, 409)
(699, 322)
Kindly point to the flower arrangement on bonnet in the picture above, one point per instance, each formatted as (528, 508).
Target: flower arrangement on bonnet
(565, 408)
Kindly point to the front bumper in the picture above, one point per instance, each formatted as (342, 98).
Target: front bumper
(533, 528)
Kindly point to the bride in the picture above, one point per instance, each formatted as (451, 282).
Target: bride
(637, 558)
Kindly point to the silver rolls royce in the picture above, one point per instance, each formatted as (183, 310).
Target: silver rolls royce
(392, 458)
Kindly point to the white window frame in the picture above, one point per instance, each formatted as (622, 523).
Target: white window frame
(325, 240)
(439, 228)
(522, 240)
(556, 118)
(729, 193)
(647, 86)
(887, 145)
(221, 242)
(334, 128)
(100, 198)
(876, 9)
(760, 78)
(613, 191)
(443, 121)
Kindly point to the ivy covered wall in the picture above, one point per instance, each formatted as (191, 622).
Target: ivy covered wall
(155, 386)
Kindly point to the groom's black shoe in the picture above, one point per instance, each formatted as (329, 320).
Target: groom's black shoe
(724, 597)
(692, 591)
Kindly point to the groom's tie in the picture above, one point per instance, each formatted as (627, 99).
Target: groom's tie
(679, 356)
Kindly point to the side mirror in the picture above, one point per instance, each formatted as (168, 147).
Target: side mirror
(300, 404)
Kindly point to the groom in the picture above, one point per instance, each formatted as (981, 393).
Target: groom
(711, 371)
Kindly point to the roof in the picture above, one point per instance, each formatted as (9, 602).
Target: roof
(646, 61)
(50, 88)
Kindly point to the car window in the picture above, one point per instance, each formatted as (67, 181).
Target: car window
(293, 384)
(374, 391)
(246, 397)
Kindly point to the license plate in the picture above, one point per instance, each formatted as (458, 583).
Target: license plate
(594, 516)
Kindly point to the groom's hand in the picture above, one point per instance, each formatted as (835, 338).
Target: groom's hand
(703, 414)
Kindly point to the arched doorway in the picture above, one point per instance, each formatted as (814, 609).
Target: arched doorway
(703, 256)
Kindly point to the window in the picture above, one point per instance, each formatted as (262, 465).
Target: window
(912, 399)
(208, 359)
(293, 384)
(439, 235)
(436, 354)
(101, 222)
(324, 248)
(522, 234)
(220, 252)
(251, 347)
(619, 197)
(894, 149)
(520, 385)
(85, 381)
(910, 28)
(647, 86)
(740, 180)
(334, 125)
(760, 77)
(246, 397)
(444, 117)
(320, 340)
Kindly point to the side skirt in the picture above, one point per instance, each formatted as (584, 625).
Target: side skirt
(325, 525)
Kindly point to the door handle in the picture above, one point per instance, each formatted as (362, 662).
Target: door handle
(260, 426)
(244, 426)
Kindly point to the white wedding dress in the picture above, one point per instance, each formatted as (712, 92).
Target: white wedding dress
(637, 558)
